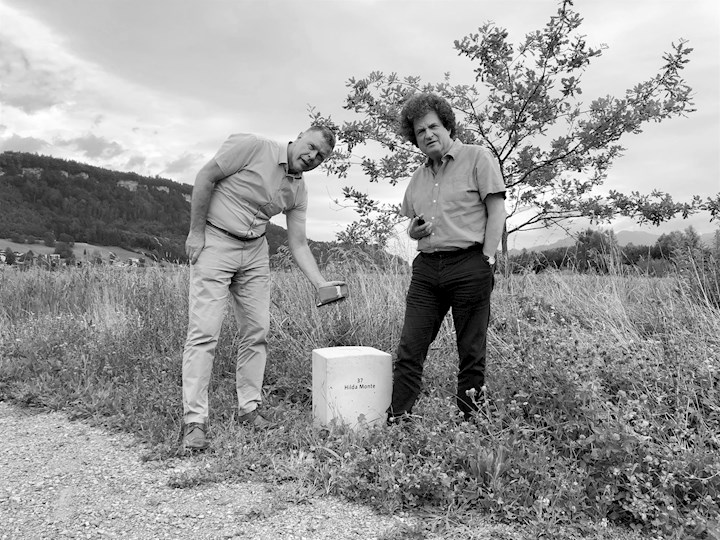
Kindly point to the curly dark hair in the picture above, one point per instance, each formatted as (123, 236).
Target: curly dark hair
(417, 106)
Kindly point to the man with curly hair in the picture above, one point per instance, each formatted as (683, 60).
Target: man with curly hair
(456, 204)
(249, 180)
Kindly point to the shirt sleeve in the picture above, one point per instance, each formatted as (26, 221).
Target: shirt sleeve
(407, 208)
(298, 213)
(488, 177)
(236, 152)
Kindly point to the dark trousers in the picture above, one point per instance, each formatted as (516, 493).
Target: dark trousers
(462, 281)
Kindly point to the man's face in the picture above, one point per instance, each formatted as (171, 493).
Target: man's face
(308, 151)
(432, 137)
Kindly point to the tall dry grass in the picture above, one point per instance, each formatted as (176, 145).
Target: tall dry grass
(603, 395)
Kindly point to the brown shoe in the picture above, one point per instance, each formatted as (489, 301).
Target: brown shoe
(255, 420)
(194, 437)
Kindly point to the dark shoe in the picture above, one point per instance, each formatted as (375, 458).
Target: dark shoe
(255, 420)
(194, 436)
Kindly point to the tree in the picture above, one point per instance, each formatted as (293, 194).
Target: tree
(17, 238)
(677, 243)
(49, 239)
(632, 254)
(9, 255)
(593, 249)
(66, 238)
(65, 252)
(96, 257)
(553, 149)
(27, 258)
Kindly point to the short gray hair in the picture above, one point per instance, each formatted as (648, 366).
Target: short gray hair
(327, 133)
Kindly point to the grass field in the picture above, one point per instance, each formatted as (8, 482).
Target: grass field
(81, 250)
(602, 418)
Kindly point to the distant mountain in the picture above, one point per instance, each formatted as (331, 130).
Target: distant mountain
(44, 197)
(637, 238)
(41, 196)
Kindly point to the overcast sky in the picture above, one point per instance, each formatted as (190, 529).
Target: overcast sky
(155, 86)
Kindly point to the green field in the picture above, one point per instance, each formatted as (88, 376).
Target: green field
(80, 249)
(602, 418)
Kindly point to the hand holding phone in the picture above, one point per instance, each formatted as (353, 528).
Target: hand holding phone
(331, 293)
(419, 228)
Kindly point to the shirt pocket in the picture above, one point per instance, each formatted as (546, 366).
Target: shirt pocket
(282, 200)
(272, 208)
(461, 189)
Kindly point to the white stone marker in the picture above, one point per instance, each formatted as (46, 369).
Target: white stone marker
(352, 385)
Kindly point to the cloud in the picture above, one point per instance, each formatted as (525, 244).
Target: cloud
(17, 143)
(27, 85)
(93, 146)
(183, 163)
(52, 92)
(147, 94)
(135, 162)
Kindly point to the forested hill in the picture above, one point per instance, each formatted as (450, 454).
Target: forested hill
(41, 196)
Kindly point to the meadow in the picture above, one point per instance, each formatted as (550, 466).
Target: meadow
(601, 418)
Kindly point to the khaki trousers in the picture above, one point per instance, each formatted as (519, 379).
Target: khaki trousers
(240, 270)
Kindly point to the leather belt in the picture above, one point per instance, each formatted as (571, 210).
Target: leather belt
(452, 252)
(234, 236)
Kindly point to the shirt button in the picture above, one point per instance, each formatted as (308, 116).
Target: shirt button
(434, 201)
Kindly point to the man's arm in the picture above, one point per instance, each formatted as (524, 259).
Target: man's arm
(496, 214)
(304, 258)
(205, 182)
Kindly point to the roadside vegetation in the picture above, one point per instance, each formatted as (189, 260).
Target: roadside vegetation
(601, 418)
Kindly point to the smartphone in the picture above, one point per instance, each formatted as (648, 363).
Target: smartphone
(420, 221)
(331, 293)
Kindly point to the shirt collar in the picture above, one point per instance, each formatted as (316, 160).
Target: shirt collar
(452, 152)
(283, 160)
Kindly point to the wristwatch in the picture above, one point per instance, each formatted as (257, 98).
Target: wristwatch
(490, 260)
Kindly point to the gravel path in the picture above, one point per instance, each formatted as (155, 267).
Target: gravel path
(63, 479)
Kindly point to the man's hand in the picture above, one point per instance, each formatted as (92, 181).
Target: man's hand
(419, 228)
(194, 245)
(329, 292)
(205, 181)
(329, 284)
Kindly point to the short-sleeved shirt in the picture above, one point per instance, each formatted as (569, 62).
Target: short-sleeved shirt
(257, 186)
(453, 198)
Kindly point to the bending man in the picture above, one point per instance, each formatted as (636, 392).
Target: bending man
(249, 180)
